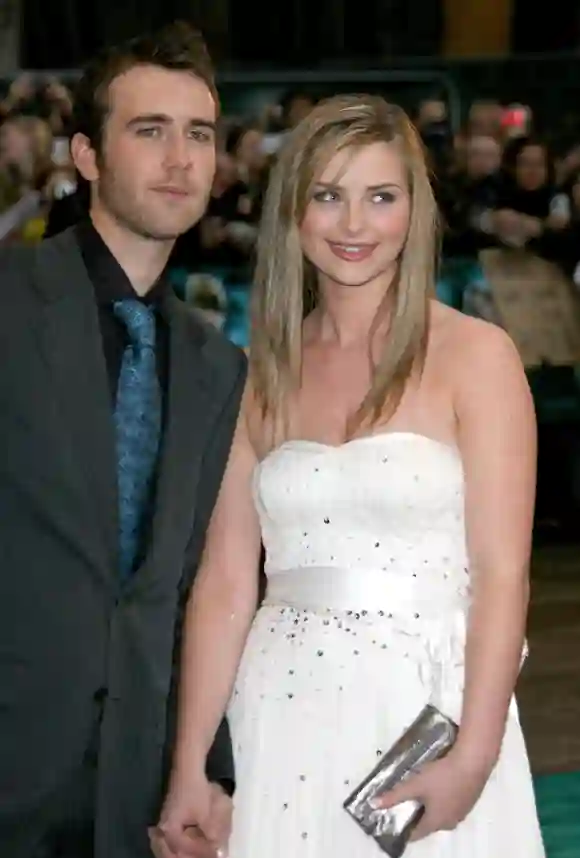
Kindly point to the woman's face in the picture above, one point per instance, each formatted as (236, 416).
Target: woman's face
(357, 219)
(532, 168)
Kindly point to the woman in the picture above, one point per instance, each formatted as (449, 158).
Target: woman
(385, 455)
(528, 208)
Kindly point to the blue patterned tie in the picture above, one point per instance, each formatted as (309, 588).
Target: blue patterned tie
(138, 426)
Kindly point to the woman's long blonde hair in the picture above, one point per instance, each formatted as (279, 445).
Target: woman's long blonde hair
(285, 287)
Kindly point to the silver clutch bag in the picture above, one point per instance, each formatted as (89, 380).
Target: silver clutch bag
(428, 738)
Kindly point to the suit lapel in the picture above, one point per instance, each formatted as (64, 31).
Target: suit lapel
(72, 347)
(191, 410)
(70, 341)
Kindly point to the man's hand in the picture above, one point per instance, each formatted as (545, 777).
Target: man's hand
(194, 845)
(194, 823)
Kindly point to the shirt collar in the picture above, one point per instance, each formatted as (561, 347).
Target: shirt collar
(108, 278)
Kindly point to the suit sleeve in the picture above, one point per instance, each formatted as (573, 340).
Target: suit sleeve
(220, 761)
(220, 764)
(213, 467)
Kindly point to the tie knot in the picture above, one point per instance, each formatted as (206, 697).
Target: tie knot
(139, 320)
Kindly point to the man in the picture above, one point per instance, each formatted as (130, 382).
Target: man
(117, 413)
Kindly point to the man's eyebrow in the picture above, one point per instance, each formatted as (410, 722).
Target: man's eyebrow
(164, 119)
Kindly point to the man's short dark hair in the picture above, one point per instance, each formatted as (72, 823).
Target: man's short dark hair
(177, 47)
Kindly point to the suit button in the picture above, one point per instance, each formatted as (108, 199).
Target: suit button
(100, 695)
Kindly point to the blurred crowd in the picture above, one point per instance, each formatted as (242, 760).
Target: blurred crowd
(502, 183)
(35, 116)
(498, 181)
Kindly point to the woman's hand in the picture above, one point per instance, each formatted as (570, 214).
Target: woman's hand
(448, 788)
(195, 822)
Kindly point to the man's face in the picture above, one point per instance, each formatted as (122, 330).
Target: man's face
(156, 168)
(483, 157)
(299, 110)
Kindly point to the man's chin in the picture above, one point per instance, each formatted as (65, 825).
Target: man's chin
(166, 232)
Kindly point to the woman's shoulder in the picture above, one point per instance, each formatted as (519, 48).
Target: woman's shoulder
(470, 344)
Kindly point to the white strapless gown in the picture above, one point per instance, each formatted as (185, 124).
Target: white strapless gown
(363, 623)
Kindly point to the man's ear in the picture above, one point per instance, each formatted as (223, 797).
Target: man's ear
(84, 157)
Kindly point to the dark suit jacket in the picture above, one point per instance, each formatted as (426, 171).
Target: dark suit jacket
(72, 638)
(67, 211)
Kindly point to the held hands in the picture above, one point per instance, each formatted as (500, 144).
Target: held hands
(448, 788)
(195, 823)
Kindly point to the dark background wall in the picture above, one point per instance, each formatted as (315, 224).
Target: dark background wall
(295, 33)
